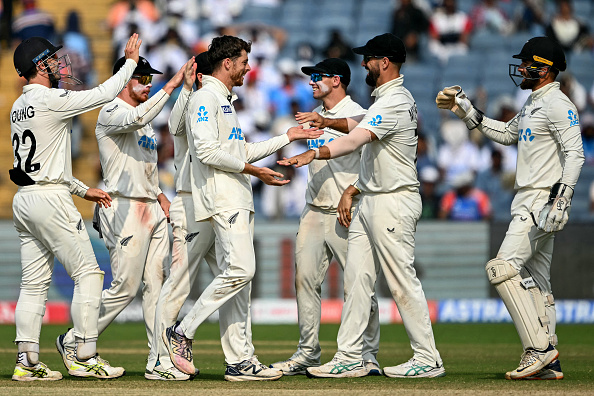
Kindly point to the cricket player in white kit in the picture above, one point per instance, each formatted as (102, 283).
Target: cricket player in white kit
(382, 231)
(320, 237)
(192, 240)
(550, 158)
(135, 226)
(48, 223)
(222, 195)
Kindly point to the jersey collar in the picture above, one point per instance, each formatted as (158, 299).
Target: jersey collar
(218, 86)
(386, 87)
(540, 92)
(337, 106)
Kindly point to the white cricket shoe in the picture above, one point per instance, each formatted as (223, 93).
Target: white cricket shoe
(533, 361)
(95, 367)
(373, 369)
(170, 374)
(68, 354)
(251, 370)
(552, 371)
(180, 350)
(39, 372)
(338, 369)
(290, 367)
(414, 369)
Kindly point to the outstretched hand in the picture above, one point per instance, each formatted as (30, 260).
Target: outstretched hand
(96, 195)
(314, 119)
(298, 133)
(132, 50)
(271, 177)
(180, 76)
(298, 160)
(190, 73)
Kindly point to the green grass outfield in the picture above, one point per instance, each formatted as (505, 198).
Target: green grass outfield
(476, 357)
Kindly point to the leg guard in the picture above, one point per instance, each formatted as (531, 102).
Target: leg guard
(85, 305)
(549, 303)
(28, 317)
(519, 303)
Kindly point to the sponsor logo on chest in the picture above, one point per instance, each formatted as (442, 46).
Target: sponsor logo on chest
(227, 109)
(147, 143)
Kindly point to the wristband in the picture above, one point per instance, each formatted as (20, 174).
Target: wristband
(317, 152)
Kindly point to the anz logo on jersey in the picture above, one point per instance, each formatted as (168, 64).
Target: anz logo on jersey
(148, 143)
(375, 121)
(317, 143)
(202, 114)
(573, 118)
(236, 134)
(525, 135)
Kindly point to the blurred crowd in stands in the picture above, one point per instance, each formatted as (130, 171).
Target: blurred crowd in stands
(463, 176)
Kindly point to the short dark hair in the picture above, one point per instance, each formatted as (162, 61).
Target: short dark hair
(224, 47)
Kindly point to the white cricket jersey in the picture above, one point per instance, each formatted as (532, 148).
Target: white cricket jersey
(327, 179)
(549, 140)
(181, 152)
(217, 141)
(128, 147)
(41, 124)
(389, 163)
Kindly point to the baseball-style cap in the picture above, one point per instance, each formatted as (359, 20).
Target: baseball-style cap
(544, 50)
(203, 66)
(333, 66)
(142, 69)
(31, 51)
(386, 45)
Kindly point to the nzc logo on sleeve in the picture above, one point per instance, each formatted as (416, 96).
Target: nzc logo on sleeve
(202, 114)
(573, 118)
(375, 121)
(227, 109)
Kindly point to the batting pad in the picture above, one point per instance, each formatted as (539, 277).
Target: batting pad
(28, 316)
(519, 304)
(86, 300)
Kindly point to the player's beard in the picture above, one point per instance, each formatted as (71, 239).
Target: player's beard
(372, 77)
(237, 77)
(528, 84)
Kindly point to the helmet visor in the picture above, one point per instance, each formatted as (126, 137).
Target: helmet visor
(532, 72)
(60, 68)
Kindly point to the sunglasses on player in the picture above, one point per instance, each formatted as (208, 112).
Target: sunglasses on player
(144, 80)
(315, 77)
(367, 58)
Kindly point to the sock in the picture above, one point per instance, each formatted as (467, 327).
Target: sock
(179, 330)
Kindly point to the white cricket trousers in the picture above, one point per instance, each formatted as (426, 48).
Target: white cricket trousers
(230, 290)
(382, 235)
(136, 235)
(49, 225)
(192, 242)
(319, 239)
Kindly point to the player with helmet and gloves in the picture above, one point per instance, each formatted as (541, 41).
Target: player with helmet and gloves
(44, 214)
(222, 197)
(134, 228)
(383, 225)
(550, 157)
(320, 237)
(192, 240)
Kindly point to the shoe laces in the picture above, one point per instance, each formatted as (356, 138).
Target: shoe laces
(528, 357)
(254, 360)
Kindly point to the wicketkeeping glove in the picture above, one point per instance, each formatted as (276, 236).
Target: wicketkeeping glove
(455, 100)
(555, 214)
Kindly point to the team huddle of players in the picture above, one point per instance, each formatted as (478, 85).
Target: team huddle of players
(362, 207)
